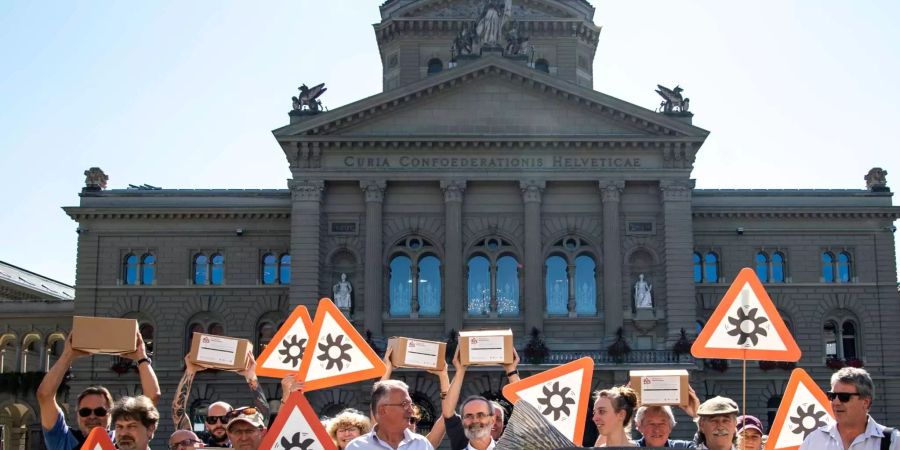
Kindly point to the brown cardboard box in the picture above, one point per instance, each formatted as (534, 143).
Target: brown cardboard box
(660, 387)
(485, 347)
(418, 353)
(219, 352)
(104, 335)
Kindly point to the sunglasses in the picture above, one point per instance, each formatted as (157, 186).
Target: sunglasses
(248, 411)
(213, 419)
(99, 412)
(844, 397)
(184, 443)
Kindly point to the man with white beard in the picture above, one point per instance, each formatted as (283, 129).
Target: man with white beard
(477, 421)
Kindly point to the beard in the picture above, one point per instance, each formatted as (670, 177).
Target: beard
(126, 443)
(476, 431)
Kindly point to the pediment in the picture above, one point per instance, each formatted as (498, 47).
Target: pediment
(471, 9)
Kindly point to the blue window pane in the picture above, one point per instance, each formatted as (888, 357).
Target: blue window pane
(698, 268)
(762, 267)
(148, 269)
(201, 269)
(131, 269)
(429, 286)
(585, 286)
(711, 269)
(269, 269)
(827, 267)
(217, 274)
(284, 276)
(401, 286)
(557, 286)
(778, 268)
(844, 268)
(508, 286)
(479, 287)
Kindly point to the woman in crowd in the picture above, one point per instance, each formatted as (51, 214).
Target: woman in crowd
(347, 426)
(613, 411)
(749, 433)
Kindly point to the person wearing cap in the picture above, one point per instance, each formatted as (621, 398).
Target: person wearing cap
(749, 433)
(717, 424)
(851, 396)
(184, 440)
(246, 428)
(134, 420)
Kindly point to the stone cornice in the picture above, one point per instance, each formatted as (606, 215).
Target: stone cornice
(387, 31)
(78, 213)
(794, 213)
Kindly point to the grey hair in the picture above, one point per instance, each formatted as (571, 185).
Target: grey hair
(477, 398)
(499, 407)
(858, 378)
(382, 389)
(667, 410)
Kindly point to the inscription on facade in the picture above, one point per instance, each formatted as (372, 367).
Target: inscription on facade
(494, 163)
(337, 228)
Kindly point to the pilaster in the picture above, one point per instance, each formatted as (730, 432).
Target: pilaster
(679, 243)
(532, 298)
(454, 191)
(373, 190)
(610, 196)
(305, 229)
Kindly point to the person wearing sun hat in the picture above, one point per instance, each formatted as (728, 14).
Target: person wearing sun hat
(246, 428)
(717, 422)
(749, 433)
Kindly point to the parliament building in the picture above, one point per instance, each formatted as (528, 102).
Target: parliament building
(488, 186)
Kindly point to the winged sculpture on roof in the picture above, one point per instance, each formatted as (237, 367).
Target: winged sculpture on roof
(672, 102)
(309, 97)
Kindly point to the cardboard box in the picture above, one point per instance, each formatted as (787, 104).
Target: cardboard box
(661, 387)
(219, 352)
(104, 335)
(418, 353)
(485, 347)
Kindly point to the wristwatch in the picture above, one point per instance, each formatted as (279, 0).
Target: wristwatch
(144, 360)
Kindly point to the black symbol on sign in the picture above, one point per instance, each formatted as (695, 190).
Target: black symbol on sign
(293, 350)
(334, 352)
(747, 326)
(296, 443)
(815, 420)
(556, 401)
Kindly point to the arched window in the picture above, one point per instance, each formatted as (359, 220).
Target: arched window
(698, 267)
(828, 267)
(202, 323)
(585, 286)
(711, 268)
(843, 267)
(493, 278)
(479, 281)
(269, 269)
(772, 406)
(148, 269)
(415, 279)
(777, 267)
(840, 336)
(557, 286)
(147, 331)
(507, 286)
(266, 328)
(284, 269)
(429, 286)
(139, 270)
(401, 286)
(131, 270)
(217, 272)
(848, 339)
(435, 65)
(762, 267)
(201, 269)
(542, 65)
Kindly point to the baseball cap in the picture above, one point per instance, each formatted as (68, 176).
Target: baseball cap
(247, 414)
(716, 406)
(749, 422)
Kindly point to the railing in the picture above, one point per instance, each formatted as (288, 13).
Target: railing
(634, 357)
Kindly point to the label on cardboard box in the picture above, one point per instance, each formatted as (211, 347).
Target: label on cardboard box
(486, 349)
(218, 350)
(661, 390)
(422, 353)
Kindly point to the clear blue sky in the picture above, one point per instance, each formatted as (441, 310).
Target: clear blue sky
(184, 94)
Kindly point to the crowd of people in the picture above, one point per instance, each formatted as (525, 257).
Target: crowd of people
(475, 423)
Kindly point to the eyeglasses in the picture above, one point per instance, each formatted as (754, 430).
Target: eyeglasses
(404, 404)
(99, 412)
(844, 397)
(213, 419)
(184, 443)
(479, 416)
(248, 411)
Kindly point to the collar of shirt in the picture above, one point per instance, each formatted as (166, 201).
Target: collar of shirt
(489, 447)
(407, 436)
(873, 429)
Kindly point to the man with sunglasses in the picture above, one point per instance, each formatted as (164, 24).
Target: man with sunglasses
(392, 408)
(851, 396)
(215, 434)
(93, 404)
(184, 440)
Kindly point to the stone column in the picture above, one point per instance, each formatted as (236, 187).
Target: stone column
(533, 299)
(305, 229)
(372, 292)
(454, 284)
(610, 193)
(679, 241)
(570, 304)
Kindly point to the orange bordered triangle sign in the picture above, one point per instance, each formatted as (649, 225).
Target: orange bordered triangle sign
(561, 394)
(296, 428)
(285, 351)
(337, 353)
(98, 439)
(804, 408)
(746, 325)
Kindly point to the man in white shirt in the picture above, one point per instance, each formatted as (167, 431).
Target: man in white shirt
(852, 393)
(478, 421)
(392, 409)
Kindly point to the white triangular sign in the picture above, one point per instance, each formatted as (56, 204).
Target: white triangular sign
(296, 428)
(285, 351)
(804, 408)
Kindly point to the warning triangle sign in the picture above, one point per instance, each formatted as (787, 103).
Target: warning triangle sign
(296, 428)
(560, 394)
(285, 351)
(746, 325)
(98, 439)
(804, 408)
(338, 354)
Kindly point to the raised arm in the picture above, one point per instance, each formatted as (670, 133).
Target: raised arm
(387, 364)
(259, 395)
(511, 369)
(449, 402)
(182, 422)
(436, 435)
(149, 382)
(289, 384)
(46, 392)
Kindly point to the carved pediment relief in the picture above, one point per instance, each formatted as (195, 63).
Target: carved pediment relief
(470, 9)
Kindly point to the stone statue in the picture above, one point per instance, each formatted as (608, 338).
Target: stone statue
(673, 102)
(876, 180)
(95, 179)
(463, 42)
(642, 296)
(342, 292)
(309, 98)
(494, 16)
(515, 44)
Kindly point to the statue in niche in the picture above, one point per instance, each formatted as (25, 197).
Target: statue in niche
(494, 16)
(643, 299)
(342, 292)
